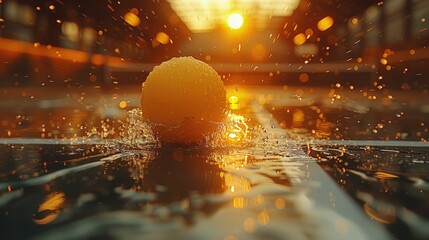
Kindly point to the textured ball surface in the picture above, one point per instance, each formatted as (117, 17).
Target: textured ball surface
(185, 98)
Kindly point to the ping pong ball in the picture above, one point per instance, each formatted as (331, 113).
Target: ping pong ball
(185, 99)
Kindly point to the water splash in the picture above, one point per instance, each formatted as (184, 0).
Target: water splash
(136, 133)
(233, 132)
(233, 181)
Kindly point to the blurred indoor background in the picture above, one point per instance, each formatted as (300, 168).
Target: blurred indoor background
(105, 42)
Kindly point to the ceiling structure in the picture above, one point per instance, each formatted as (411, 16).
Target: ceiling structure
(206, 15)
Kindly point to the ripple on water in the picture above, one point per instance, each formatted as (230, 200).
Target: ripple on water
(237, 196)
(259, 191)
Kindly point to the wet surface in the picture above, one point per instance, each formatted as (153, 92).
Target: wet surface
(95, 174)
(173, 190)
(341, 114)
(325, 122)
(390, 184)
(57, 189)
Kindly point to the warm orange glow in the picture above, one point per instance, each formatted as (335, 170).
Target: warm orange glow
(132, 19)
(280, 203)
(236, 184)
(388, 52)
(206, 15)
(236, 129)
(52, 205)
(235, 21)
(387, 216)
(298, 118)
(162, 38)
(134, 11)
(300, 39)
(14, 48)
(232, 136)
(236, 119)
(92, 78)
(123, 104)
(303, 77)
(234, 106)
(249, 225)
(233, 99)
(325, 23)
(259, 52)
(186, 97)
(354, 21)
(385, 175)
(70, 30)
(263, 218)
(238, 202)
(97, 59)
(309, 32)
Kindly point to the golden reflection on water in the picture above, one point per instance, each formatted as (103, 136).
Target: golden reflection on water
(239, 202)
(237, 184)
(50, 208)
(236, 128)
(298, 118)
(280, 203)
(385, 175)
(382, 214)
(263, 217)
(234, 106)
(249, 225)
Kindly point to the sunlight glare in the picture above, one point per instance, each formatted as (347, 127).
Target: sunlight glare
(235, 21)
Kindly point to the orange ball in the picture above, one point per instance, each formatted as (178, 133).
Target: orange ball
(185, 99)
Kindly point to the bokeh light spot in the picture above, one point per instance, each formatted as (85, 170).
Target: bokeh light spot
(303, 77)
(299, 39)
(325, 23)
(233, 99)
(162, 38)
(123, 104)
(132, 19)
